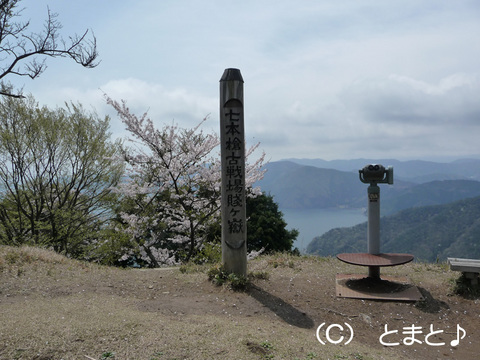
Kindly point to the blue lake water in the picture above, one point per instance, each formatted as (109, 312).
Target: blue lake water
(315, 222)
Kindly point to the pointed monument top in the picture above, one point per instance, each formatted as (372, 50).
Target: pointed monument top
(232, 75)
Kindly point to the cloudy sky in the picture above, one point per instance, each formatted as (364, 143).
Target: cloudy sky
(323, 79)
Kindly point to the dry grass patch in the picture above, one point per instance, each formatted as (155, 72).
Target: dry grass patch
(56, 308)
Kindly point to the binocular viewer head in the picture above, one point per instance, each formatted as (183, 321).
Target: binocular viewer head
(376, 174)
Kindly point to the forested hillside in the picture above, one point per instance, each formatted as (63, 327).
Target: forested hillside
(430, 233)
(431, 193)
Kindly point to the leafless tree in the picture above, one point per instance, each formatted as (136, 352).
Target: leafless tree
(24, 54)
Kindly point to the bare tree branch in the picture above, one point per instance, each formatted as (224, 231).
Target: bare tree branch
(20, 51)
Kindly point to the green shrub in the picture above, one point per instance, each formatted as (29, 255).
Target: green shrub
(219, 276)
(210, 253)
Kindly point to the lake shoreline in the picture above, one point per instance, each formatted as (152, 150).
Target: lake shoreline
(315, 222)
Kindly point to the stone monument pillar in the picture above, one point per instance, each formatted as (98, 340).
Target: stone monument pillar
(233, 206)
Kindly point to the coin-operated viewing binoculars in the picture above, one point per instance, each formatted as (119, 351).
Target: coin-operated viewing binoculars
(376, 174)
(374, 287)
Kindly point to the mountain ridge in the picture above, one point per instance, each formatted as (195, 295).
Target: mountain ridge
(417, 171)
(297, 186)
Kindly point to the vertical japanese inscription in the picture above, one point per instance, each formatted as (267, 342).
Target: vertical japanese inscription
(233, 166)
(232, 139)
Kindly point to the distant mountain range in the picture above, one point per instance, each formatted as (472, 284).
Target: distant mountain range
(416, 171)
(430, 233)
(296, 185)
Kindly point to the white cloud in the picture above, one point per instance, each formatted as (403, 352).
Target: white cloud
(453, 100)
(160, 101)
(162, 104)
(322, 78)
(452, 82)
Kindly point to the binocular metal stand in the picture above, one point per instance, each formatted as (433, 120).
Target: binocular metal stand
(374, 259)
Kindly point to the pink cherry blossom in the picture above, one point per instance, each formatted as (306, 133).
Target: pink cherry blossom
(179, 170)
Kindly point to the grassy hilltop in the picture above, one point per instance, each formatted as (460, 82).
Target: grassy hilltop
(56, 308)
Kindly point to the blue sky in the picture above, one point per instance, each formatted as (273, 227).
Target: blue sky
(323, 79)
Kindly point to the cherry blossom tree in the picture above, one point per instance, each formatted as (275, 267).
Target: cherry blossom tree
(174, 182)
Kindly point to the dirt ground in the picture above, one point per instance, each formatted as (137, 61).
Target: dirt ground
(55, 308)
